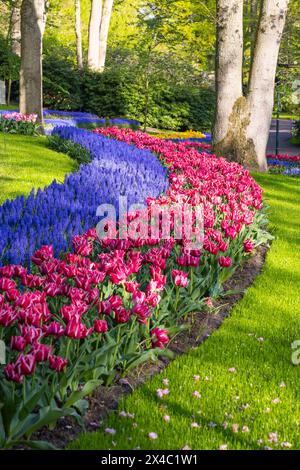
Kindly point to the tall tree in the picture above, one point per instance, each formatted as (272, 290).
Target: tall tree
(78, 35)
(104, 28)
(94, 34)
(16, 27)
(33, 14)
(243, 121)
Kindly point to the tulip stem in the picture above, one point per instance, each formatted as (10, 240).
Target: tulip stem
(176, 299)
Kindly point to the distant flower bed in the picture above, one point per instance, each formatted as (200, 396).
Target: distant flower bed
(55, 215)
(17, 123)
(57, 118)
(76, 321)
(284, 164)
(181, 135)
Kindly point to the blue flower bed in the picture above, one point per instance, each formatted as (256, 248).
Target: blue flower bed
(55, 215)
(73, 118)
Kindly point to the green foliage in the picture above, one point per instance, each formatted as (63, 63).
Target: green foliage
(75, 151)
(62, 84)
(296, 132)
(121, 92)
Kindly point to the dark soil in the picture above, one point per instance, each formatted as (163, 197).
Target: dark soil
(201, 325)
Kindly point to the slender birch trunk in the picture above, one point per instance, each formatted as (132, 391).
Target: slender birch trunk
(105, 22)
(242, 122)
(16, 29)
(94, 34)
(32, 30)
(78, 35)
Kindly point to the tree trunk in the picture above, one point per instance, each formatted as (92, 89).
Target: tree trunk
(242, 123)
(16, 28)
(105, 22)
(32, 30)
(94, 34)
(229, 63)
(78, 35)
(262, 76)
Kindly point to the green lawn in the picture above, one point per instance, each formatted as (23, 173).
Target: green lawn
(26, 163)
(9, 107)
(292, 117)
(262, 394)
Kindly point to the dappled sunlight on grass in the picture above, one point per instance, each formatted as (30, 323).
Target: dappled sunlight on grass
(26, 163)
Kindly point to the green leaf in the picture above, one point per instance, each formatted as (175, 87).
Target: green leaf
(88, 388)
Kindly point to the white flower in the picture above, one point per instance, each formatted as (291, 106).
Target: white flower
(196, 377)
(268, 410)
(161, 392)
(197, 394)
(282, 385)
(166, 418)
(123, 414)
(245, 429)
(165, 381)
(111, 431)
(276, 401)
(152, 435)
(212, 424)
(232, 370)
(223, 447)
(235, 427)
(195, 425)
(272, 437)
(286, 445)
(186, 447)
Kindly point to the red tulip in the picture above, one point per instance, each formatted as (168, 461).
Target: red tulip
(180, 278)
(100, 326)
(122, 315)
(11, 373)
(248, 245)
(57, 363)
(159, 338)
(7, 284)
(46, 253)
(54, 329)
(26, 364)
(225, 262)
(18, 343)
(41, 352)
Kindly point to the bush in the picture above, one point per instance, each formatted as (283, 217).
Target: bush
(174, 103)
(120, 93)
(62, 84)
(75, 151)
(296, 132)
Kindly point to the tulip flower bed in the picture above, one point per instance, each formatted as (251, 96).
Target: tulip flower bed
(77, 320)
(17, 123)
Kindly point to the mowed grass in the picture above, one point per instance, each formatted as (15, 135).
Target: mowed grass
(26, 163)
(261, 395)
